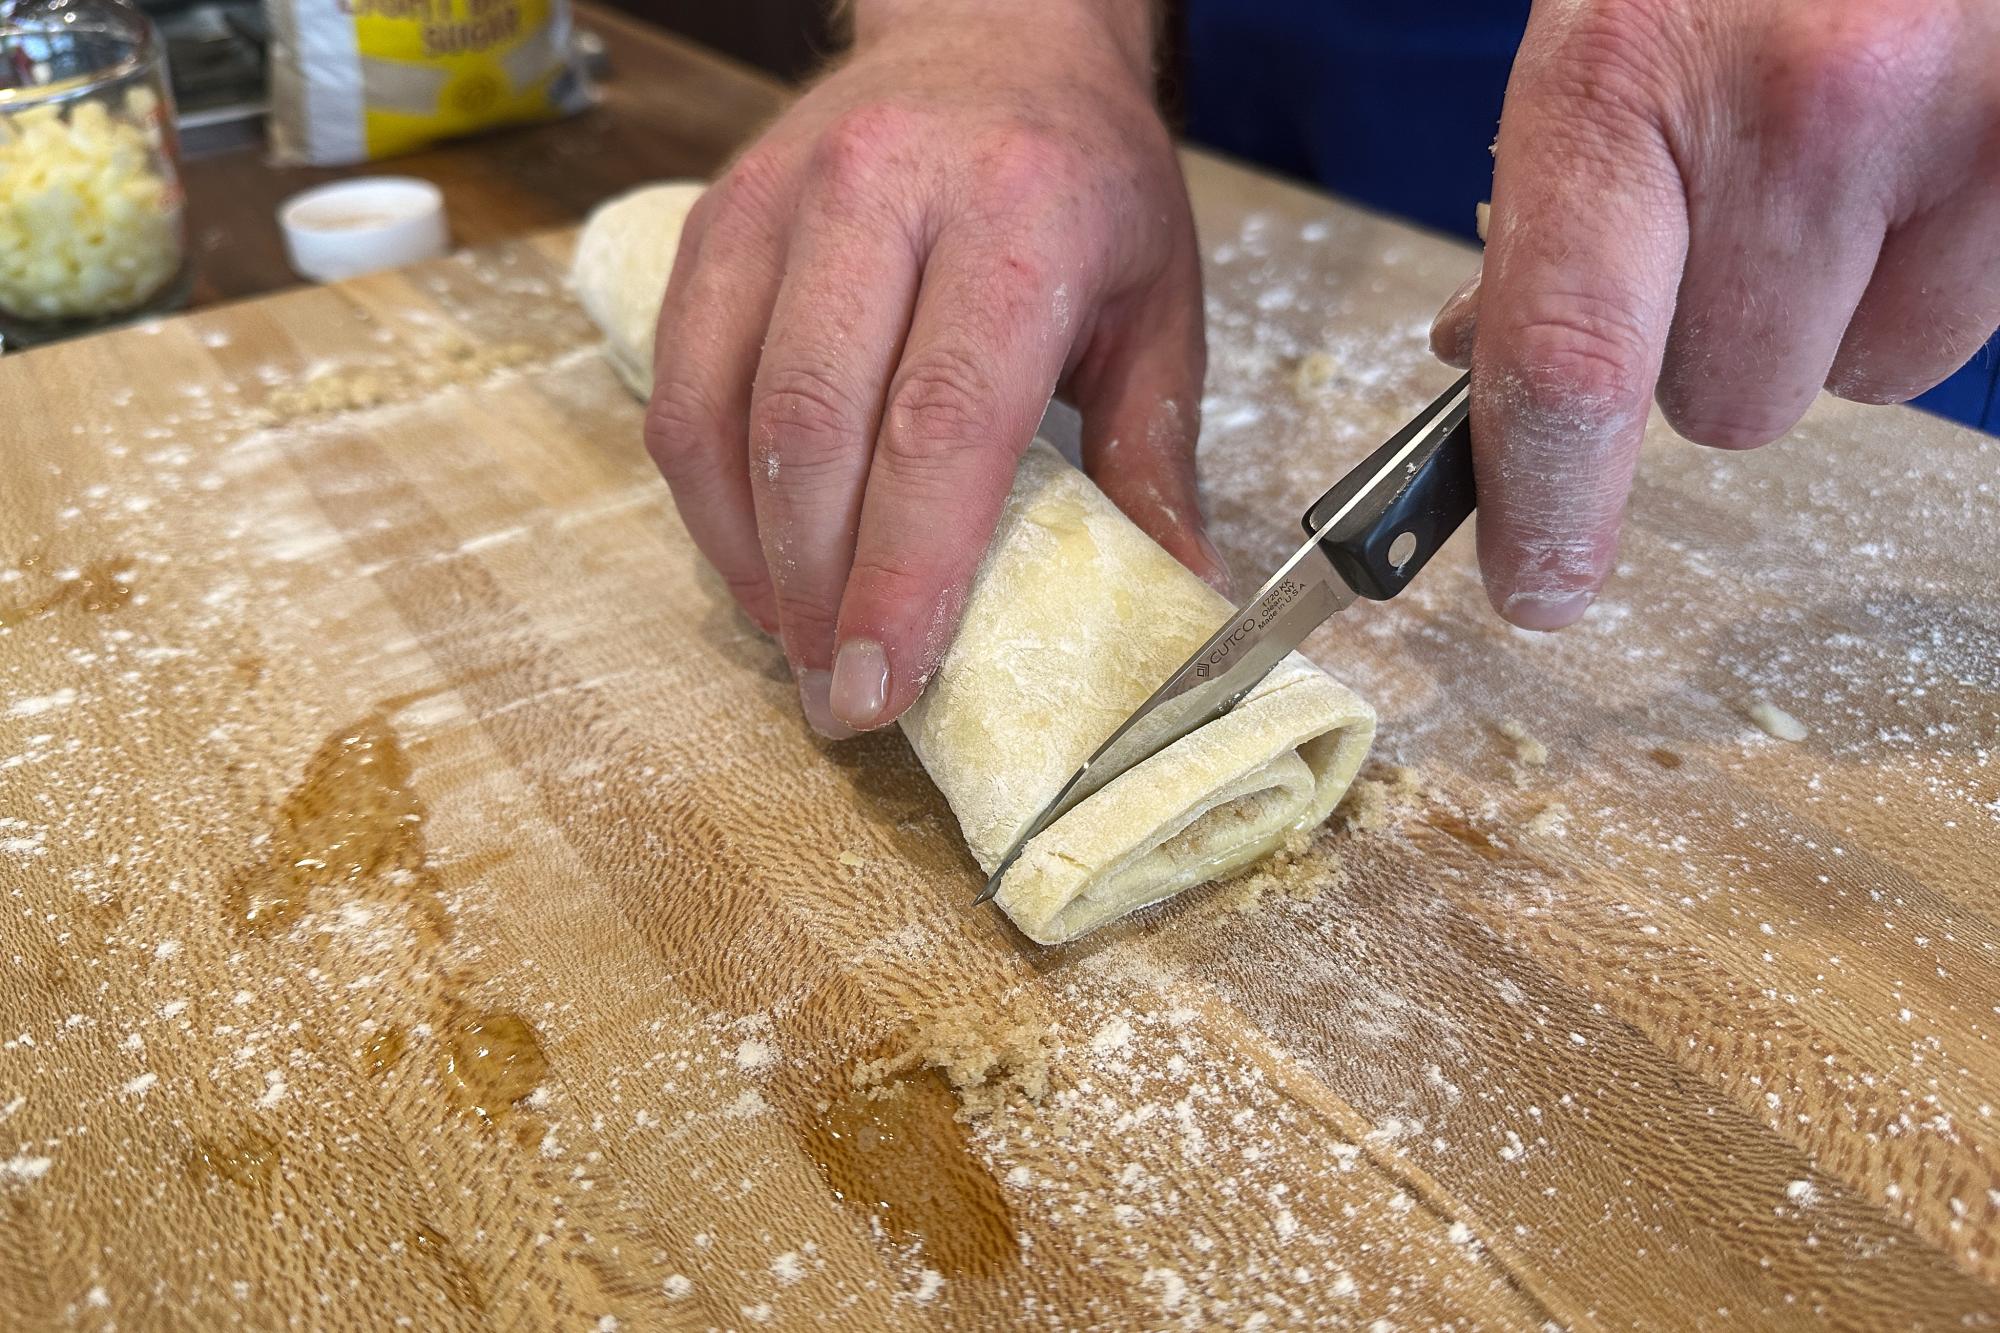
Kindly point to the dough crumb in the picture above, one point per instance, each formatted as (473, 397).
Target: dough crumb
(1482, 217)
(1549, 821)
(1298, 870)
(1527, 750)
(1373, 803)
(442, 363)
(851, 861)
(1775, 722)
(1314, 372)
(990, 1063)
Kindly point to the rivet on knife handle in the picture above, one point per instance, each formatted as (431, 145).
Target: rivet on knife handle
(1403, 519)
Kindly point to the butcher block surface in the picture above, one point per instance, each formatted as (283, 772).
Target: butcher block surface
(424, 902)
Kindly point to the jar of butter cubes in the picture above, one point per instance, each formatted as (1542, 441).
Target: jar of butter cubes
(91, 231)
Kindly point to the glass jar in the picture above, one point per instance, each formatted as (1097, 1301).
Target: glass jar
(91, 228)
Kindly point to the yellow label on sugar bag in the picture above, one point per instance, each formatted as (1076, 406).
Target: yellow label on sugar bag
(430, 71)
(356, 79)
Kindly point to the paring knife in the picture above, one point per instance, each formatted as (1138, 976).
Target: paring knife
(1366, 537)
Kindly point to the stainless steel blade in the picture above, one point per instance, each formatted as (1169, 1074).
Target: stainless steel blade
(1291, 604)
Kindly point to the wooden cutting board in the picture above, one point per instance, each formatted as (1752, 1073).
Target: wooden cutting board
(424, 902)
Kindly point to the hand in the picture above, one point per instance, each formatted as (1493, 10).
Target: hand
(872, 306)
(1734, 201)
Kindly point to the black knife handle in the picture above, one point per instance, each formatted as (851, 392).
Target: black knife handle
(1404, 500)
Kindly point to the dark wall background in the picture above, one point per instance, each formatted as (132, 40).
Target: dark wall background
(793, 38)
(789, 38)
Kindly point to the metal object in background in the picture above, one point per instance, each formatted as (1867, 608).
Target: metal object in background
(1367, 536)
(216, 51)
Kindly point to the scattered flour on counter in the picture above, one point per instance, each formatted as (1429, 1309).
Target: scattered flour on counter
(24, 1167)
(36, 705)
(1114, 1036)
(1173, 1288)
(753, 1056)
(141, 1085)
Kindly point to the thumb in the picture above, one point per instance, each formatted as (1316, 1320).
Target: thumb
(1138, 388)
(1574, 305)
(1457, 324)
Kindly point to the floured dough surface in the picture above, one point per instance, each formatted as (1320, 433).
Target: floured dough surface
(623, 260)
(1076, 616)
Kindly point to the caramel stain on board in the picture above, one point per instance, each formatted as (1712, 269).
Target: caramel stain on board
(264, 898)
(1664, 757)
(460, 1283)
(897, 1155)
(247, 1158)
(352, 821)
(492, 1061)
(383, 1050)
(102, 585)
(1463, 832)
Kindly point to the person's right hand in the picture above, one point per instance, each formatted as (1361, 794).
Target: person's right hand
(873, 305)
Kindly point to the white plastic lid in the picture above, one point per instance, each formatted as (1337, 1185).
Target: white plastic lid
(357, 226)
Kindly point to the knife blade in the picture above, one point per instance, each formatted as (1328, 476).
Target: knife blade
(1367, 536)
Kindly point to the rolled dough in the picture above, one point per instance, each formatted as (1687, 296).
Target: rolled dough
(623, 260)
(1075, 616)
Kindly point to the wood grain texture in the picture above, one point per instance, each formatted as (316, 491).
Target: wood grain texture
(425, 903)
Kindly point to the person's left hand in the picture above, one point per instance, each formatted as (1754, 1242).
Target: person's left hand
(1734, 202)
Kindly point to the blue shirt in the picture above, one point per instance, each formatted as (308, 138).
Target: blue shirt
(1392, 103)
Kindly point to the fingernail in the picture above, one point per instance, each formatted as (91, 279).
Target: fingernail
(1218, 576)
(1546, 610)
(1453, 329)
(814, 690)
(860, 683)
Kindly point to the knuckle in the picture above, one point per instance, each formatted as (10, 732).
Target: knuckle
(1024, 159)
(701, 214)
(684, 431)
(1583, 356)
(754, 183)
(889, 581)
(802, 415)
(808, 619)
(1836, 71)
(750, 586)
(936, 409)
(853, 151)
